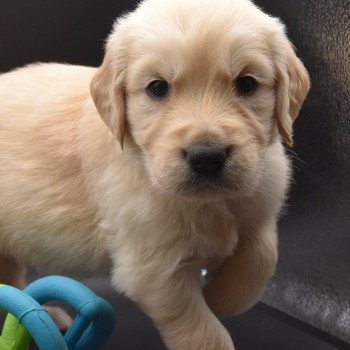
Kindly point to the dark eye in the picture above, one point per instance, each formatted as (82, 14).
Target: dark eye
(158, 88)
(246, 85)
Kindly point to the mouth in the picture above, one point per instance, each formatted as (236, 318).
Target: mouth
(197, 184)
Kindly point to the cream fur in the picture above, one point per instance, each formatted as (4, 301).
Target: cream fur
(73, 201)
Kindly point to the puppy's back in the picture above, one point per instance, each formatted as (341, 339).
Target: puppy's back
(42, 190)
(41, 86)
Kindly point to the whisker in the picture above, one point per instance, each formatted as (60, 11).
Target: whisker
(295, 156)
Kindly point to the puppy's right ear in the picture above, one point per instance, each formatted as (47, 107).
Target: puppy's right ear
(108, 93)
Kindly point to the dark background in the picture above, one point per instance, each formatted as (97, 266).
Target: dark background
(310, 293)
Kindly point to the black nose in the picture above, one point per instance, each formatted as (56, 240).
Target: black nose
(206, 159)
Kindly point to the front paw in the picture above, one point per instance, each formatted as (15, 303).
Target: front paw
(60, 317)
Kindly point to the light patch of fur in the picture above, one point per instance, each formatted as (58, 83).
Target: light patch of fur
(73, 201)
(42, 187)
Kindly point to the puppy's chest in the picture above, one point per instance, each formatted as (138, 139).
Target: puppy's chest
(212, 234)
(182, 231)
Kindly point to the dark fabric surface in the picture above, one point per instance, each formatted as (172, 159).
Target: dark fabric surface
(70, 31)
(313, 278)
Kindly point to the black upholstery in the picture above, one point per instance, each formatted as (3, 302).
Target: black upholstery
(312, 283)
(313, 278)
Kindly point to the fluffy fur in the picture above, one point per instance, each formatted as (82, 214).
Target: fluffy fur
(98, 184)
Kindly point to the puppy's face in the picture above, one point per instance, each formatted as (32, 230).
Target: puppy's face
(200, 92)
(200, 107)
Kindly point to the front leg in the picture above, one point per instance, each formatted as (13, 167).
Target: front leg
(237, 284)
(175, 302)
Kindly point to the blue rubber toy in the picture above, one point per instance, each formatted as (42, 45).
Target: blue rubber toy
(91, 327)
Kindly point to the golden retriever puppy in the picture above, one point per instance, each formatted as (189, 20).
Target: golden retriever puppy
(164, 161)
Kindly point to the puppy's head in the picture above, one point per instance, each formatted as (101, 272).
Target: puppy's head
(204, 87)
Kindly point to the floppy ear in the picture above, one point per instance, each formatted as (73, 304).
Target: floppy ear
(108, 93)
(293, 84)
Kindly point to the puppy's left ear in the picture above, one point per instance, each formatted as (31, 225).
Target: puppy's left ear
(108, 93)
(293, 85)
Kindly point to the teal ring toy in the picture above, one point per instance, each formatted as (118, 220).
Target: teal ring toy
(33, 317)
(93, 324)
